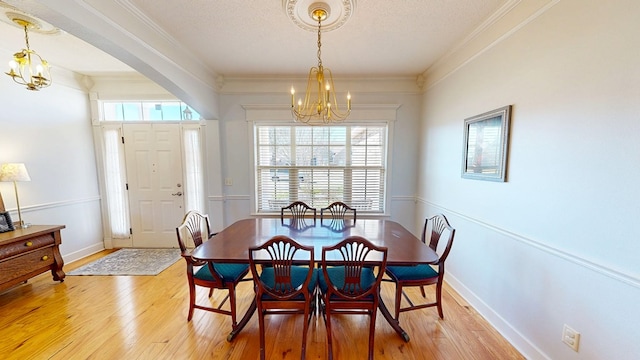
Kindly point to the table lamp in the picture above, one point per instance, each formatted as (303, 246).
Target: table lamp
(15, 172)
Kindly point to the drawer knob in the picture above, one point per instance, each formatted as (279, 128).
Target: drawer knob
(28, 243)
(44, 258)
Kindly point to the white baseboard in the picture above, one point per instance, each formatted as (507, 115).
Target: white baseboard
(82, 253)
(522, 344)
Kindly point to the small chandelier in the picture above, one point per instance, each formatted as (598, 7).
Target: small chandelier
(320, 105)
(27, 67)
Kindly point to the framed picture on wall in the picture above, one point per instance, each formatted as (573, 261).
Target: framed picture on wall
(486, 145)
(5, 222)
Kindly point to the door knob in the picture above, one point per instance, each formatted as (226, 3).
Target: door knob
(179, 193)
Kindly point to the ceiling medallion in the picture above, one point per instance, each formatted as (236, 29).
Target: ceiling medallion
(298, 12)
(35, 25)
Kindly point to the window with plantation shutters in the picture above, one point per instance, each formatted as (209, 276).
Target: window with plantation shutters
(320, 165)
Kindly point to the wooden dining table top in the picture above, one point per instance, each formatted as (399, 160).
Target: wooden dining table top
(232, 243)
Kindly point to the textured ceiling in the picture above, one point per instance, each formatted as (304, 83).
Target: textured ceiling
(256, 37)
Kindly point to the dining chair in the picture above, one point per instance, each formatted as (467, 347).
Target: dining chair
(287, 285)
(438, 235)
(297, 210)
(348, 285)
(338, 211)
(207, 274)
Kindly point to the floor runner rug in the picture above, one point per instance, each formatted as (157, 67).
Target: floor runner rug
(131, 262)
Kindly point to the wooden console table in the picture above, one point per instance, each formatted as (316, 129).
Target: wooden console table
(25, 253)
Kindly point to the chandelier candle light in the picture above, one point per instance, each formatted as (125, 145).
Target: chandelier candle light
(27, 67)
(319, 107)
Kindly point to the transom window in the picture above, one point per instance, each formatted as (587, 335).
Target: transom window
(147, 111)
(320, 165)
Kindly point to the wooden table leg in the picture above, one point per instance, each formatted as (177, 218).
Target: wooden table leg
(393, 322)
(56, 267)
(243, 322)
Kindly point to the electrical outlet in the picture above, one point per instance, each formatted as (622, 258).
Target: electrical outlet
(570, 337)
(228, 182)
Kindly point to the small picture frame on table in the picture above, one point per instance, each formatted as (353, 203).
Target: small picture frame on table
(6, 224)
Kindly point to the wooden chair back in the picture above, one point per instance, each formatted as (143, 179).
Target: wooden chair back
(351, 255)
(298, 210)
(338, 211)
(432, 235)
(195, 224)
(283, 255)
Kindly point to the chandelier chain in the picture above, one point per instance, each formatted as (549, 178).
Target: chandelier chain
(319, 42)
(26, 37)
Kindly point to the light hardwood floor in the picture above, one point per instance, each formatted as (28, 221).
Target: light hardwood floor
(145, 317)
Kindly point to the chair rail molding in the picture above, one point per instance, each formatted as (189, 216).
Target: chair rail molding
(593, 266)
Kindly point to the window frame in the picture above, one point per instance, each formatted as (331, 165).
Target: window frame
(387, 126)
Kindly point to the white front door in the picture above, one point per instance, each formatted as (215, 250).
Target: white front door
(155, 183)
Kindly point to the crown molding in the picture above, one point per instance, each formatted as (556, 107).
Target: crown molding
(511, 17)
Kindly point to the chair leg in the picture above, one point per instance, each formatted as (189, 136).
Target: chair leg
(422, 291)
(314, 307)
(261, 330)
(321, 307)
(372, 331)
(192, 299)
(327, 323)
(439, 299)
(232, 304)
(398, 300)
(211, 292)
(307, 314)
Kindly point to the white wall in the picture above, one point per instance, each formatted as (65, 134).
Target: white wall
(228, 139)
(236, 138)
(556, 244)
(50, 131)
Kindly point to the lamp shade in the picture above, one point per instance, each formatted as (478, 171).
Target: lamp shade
(14, 172)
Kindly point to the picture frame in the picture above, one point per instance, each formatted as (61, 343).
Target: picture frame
(6, 224)
(486, 145)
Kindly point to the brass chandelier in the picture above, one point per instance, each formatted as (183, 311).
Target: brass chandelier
(27, 67)
(320, 105)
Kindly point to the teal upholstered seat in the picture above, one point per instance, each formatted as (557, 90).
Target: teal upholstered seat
(228, 272)
(416, 272)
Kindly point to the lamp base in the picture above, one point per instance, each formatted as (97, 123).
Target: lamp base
(21, 225)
